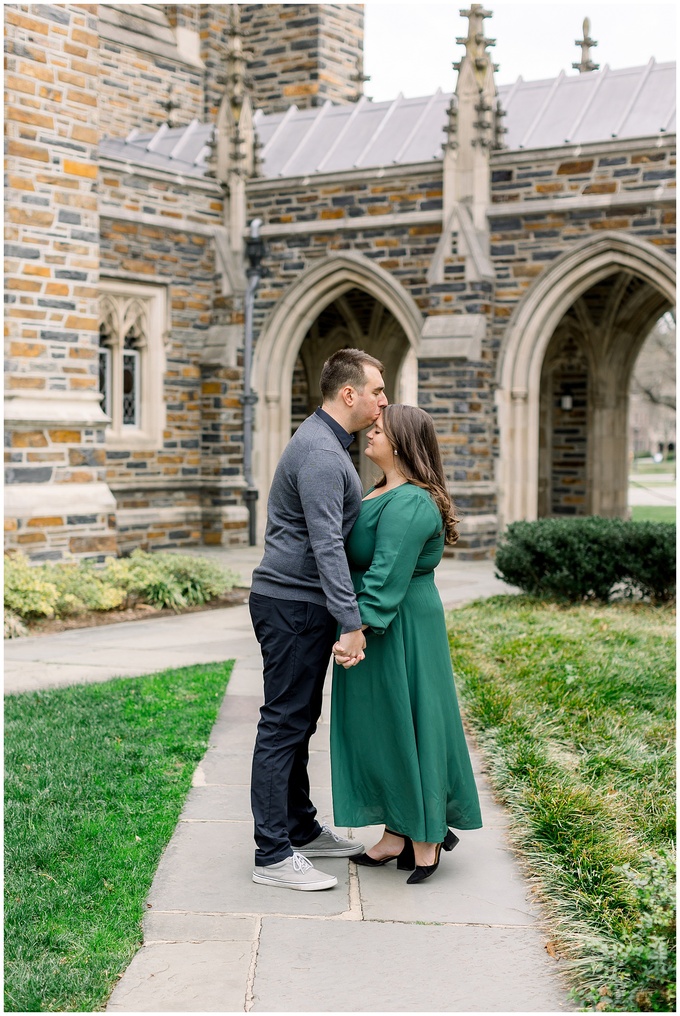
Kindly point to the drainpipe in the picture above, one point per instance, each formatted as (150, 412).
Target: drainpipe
(255, 251)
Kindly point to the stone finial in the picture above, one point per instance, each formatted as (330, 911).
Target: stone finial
(498, 129)
(236, 61)
(360, 78)
(170, 105)
(586, 44)
(476, 42)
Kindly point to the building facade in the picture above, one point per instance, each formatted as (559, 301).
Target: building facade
(505, 252)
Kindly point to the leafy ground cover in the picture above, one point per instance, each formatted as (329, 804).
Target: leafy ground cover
(573, 708)
(653, 513)
(95, 782)
(79, 589)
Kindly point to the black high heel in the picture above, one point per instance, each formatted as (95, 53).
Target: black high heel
(423, 871)
(406, 860)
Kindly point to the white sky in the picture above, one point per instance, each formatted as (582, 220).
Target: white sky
(409, 48)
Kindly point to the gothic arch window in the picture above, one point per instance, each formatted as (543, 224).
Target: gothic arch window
(132, 362)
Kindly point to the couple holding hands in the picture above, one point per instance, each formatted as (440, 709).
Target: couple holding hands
(338, 561)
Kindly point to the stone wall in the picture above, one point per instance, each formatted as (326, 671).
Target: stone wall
(56, 501)
(303, 54)
(157, 230)
(142, 66)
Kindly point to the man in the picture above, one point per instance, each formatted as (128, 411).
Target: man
(300, 592)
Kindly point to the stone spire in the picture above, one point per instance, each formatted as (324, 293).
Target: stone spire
(473, 130)
(234, 146)
(586, 44)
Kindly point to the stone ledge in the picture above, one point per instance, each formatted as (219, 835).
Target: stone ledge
(34, 500)
(55, 407)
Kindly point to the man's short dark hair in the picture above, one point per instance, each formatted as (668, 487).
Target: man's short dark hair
(346, 367)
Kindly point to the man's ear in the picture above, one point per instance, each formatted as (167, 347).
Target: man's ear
(348, 394)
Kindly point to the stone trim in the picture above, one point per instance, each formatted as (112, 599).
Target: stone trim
(356, 224)
(118, 214)
(54, 406)
(149, 435)
(645, 195)
(130, 168)
(529, 331)
(507, 157)
(34, 500)
(278, 183)
(189, 513)
(284, 331)
(186, 483)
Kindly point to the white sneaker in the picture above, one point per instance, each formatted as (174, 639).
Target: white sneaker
(294, 872)
(329, 844)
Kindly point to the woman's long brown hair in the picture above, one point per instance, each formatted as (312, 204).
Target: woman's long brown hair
(411, 433)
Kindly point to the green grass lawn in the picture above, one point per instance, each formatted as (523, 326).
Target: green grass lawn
(96, 778)
(653, 513)
(651, 467)
(573, 708)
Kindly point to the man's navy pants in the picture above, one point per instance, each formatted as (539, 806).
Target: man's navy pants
(296, 639)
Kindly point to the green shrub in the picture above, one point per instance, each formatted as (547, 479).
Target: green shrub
(27, 593)
(580, 559)
(81, 587)
(162, 580)
(649, 553)
(169, 580)
(14, 626)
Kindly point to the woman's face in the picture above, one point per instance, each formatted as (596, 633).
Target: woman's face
(378, 447)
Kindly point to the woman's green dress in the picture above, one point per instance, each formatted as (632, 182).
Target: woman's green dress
(398, 751)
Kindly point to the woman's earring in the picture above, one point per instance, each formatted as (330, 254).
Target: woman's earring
(395, 451)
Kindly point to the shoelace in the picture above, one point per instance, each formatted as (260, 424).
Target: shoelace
(326, 829)
(300, 863)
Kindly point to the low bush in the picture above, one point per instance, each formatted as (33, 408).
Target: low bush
(587, 558)
(162, 580)
(169, 580)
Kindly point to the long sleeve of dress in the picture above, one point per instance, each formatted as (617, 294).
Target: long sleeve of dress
(402, 531)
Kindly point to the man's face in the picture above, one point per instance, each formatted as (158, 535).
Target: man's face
(369, 400)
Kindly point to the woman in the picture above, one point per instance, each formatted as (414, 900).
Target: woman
(398, 751)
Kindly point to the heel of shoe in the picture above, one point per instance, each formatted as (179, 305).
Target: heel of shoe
(450, 840)
(407, 859)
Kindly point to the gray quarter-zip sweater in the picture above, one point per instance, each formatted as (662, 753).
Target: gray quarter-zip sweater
(314, 501)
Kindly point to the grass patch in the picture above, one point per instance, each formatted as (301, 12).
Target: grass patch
(574, 711)
(653, 513)
(96, 779)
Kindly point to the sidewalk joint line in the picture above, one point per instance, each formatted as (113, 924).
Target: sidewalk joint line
(250, 983)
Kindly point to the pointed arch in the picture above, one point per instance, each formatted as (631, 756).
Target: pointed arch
(280, 340)
(530, 329)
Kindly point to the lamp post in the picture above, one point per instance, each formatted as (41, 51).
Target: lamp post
(255, 251)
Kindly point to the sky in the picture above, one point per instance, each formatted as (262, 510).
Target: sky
(409, 48)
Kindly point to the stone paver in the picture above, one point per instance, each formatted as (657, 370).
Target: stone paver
(468, 940)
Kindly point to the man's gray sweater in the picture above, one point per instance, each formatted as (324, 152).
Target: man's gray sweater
(314, 501)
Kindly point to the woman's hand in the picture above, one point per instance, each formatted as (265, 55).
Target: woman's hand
(343, 659)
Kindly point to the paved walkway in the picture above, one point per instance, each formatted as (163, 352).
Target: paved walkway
(467, 940)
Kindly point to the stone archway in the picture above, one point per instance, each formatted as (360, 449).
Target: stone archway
(279, 344)
(630, 282)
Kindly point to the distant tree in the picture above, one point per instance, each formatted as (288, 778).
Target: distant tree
(654, 373)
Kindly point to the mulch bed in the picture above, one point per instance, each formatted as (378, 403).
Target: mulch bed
(142, 612)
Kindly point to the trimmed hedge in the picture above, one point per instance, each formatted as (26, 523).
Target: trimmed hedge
(588, 558)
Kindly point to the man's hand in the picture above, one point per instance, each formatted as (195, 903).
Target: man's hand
(349, 649)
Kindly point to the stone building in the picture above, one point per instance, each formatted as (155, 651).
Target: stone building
(505, 251)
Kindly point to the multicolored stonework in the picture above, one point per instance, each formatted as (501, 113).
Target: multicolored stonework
(506, 280)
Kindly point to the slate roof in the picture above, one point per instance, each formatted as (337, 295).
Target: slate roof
(569, 109)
